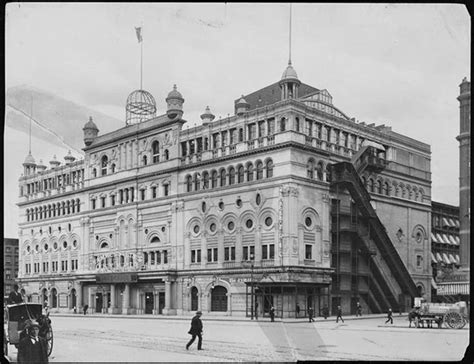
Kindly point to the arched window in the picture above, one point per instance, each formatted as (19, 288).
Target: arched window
(241, 135)
(103, 165)
(214, 179)
(189, 183)
(282, 124)
(78, 204)
(310, 169)
(371, 184)
(222, 176)
(194, 299)
(250, 172)
(269, 168)
(94, 172)
(240, 174)
(219, 299)
(155, 150)
(112, 168)
(319, 171)
(145, 160)
(364, 181)
(167, 154)
(379, 186)
(197, 181)
(205, 177)
(54, 298)
(328, 173)
(231, 175)
(386, 189)
(259, 170)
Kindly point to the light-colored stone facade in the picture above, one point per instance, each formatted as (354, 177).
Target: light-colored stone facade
(161, 220)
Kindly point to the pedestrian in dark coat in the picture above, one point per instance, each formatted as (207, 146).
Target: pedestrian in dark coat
(195, 330)
(272, 313)
(32, 348)
(339, 314)
(310, 314)
(85, 308)
(358, 310)
(15, 296)
(389, 316)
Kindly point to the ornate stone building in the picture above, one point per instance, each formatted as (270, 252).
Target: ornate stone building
(158, 219)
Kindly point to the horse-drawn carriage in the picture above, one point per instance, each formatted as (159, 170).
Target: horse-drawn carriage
(17, 318)
(453, 315)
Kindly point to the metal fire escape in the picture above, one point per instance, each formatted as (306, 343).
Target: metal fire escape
(370, 237)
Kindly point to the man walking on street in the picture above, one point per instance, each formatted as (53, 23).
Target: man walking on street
(272, 313)
(389, 316)
(32, 348)
(358, 310)
(339, 314)
(195, 330)
(310, 314)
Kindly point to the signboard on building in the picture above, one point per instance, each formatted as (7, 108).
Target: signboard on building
(116, 278)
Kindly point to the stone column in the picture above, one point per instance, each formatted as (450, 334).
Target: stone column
(79, 296)
(126, 300)
(167, 307)
(113, 303)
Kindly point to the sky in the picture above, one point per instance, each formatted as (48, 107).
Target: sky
(393, 64)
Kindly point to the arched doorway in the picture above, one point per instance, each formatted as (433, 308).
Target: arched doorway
(149, 302)
(73, 298)
(219, 299)
(54, 298)
(99, 301)
(194, 299)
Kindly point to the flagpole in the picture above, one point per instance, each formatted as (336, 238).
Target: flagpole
(31, 115)
(141, 62)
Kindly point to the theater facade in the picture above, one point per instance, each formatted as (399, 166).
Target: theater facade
(288, 202)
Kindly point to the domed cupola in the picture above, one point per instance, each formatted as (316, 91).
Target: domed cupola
(54, 162)
(69, 158)
(207, 117)
(90, 132)
(41, 167)
(289, 83)
(175, 104)
(241, 106)
(29, 165)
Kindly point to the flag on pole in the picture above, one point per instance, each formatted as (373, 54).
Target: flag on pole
(139, 34)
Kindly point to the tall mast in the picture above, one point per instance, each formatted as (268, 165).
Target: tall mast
(289, 57)
(31, 116)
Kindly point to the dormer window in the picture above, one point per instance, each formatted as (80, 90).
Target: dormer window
(104, 165)
(155, 151)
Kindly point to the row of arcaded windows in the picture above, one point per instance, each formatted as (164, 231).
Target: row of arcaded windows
(388, 188)
(53, 210)
(230, 176)
(318, 171)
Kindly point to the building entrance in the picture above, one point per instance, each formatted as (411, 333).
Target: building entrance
(161, 302)
(99, 301)
(219, 299)
(149, 301)
(194, 299)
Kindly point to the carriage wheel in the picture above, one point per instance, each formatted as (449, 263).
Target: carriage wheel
(49, 339)
(454, 320)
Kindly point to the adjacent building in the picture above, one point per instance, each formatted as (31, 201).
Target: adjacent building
(10, 265)
(289, 202)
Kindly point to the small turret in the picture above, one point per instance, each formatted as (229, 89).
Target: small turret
(54, 162)
(207, 117)
(69, 158)
(29, 165)
(90, 132)
(175, 104)
(41, 167)
(241, 106)
(289, 83)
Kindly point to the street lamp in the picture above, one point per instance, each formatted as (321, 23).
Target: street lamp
(251, 283)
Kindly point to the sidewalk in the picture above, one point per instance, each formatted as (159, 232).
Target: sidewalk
(208, 316)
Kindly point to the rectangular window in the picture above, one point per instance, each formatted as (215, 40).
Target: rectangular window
(209, 255)
(193, 256)
(419, 261)
(166, 190)
(153, 191)
(93, 204)
(142, 195)
(165, 257)
(272, 251)
(112, 200)
(158, 257)
(226, 253)
(102, 200)
(264, 251)
(308, 251)
(198, 256)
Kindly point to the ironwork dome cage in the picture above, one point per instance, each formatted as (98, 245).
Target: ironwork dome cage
(141, 106)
